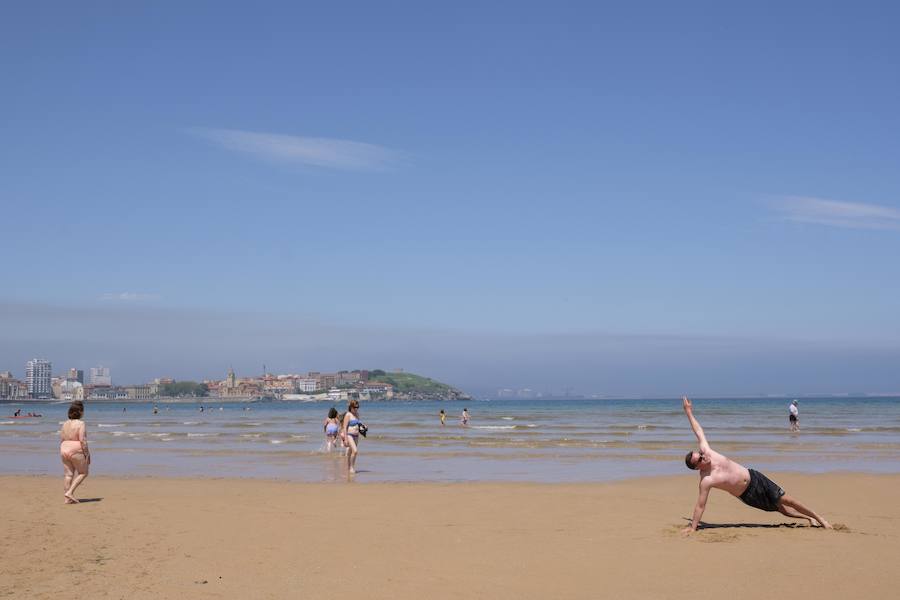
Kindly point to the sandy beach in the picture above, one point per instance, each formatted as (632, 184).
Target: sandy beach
(229, 538)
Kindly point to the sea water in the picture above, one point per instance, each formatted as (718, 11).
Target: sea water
(506, 440)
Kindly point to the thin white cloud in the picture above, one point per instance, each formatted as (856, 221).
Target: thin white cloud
(128, 297)
(318, 152)
(833, 213)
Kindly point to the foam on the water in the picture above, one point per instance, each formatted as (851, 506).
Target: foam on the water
(562, 440)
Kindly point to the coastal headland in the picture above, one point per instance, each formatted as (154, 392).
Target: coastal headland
(238, 538)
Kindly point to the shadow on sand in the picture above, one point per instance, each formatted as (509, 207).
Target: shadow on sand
(83, 500)
(704, 525)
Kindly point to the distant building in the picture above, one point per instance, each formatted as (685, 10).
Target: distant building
(37, 378)
(140, 392)
(105, 392)
(70, 390)
(233, 387)
(326, 381)
(307, 385)
(100, 376)
(76, 375)
(11, 388)
(378, 389)
(56, 386)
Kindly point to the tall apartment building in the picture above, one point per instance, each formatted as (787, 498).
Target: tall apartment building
(37, 378)
(100, 376)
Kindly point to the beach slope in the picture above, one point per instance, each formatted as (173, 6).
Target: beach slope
(221, 538)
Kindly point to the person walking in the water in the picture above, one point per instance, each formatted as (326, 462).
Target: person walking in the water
(464, 419)
(794, 416)
(332, 428)
(351, 428)
(443, 417)
(752, 487)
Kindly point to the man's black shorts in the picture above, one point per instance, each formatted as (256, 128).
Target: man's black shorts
(762, 492)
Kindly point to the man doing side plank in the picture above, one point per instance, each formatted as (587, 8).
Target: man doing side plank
(752, 487)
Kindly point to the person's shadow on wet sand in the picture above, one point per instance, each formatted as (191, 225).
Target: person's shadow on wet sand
(83, 500)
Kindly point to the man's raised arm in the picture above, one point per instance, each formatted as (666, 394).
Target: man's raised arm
(698, 431)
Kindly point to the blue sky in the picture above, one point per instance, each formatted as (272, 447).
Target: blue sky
(543, 195)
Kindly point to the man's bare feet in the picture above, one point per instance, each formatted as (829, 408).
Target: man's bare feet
(826, 525)
(352, 470)
(70, 499)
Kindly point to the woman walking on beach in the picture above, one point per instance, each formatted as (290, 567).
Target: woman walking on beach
(74, 451)
(350, 433)
(332, 426)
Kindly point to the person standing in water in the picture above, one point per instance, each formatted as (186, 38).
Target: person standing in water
(464, 419)
(74, 451)
(332, 427)
(350, 433)
(794, 416)
(443, 417)
(751, 487)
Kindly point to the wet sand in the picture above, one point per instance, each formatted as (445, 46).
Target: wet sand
(228, 538)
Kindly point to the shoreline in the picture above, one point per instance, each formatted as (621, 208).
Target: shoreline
(152, 537)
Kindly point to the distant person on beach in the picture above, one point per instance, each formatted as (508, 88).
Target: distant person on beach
(18, 411)
(464, 419)
(332, 426)
(752, 487)
(74, 451)
(794, 416)
(350, 430)
(443, 417)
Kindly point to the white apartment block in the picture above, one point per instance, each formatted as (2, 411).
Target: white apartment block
(306, 385)
(37, 378)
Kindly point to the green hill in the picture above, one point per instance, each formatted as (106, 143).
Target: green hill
(416, 387)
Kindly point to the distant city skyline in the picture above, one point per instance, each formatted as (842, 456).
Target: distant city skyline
(624, 200)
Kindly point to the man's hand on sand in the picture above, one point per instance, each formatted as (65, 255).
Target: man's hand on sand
(686, 403)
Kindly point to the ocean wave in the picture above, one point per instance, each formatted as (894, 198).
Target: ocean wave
(195, 435)
(111, 425)
(493, 426)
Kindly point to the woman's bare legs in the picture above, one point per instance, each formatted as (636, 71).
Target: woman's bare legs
(80, 464)
(351, 455)
(67, 480)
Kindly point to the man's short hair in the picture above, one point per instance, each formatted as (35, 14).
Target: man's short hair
(689, 462)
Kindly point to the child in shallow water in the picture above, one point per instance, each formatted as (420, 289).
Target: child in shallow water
(332, 426)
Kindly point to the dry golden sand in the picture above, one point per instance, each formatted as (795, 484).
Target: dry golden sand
(216, 538)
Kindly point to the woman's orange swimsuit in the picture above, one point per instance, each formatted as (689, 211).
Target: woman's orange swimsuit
(69, 448)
